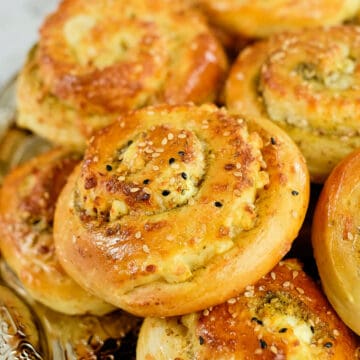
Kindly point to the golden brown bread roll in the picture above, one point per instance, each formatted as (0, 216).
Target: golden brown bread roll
(283, 316)
(335, 239)
(307, 83)
(258, 18)
(98, 58)
(27, 205)
(180, 202)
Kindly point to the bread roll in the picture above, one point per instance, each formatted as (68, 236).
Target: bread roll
(282, 316)
(174, 209)
(27, 205)
(96, 59)
(258, 18)
(307, 83)
(335, 239)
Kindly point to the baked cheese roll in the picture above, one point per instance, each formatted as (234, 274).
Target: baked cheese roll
(282, 316)
(174, 209)
(307, 83)
(258, 18)
(120, 55)
(27, 205)
(335, 239)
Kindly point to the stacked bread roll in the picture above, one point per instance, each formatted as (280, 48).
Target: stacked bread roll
(180, 187)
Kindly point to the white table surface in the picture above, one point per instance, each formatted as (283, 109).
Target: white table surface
(19, 24)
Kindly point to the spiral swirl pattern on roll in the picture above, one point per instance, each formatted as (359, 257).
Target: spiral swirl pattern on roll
(308, 84)
(283, 316)
(168, 198)
(27, 204)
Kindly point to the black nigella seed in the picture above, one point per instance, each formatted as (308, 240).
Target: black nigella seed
(263, 344)
(108, 167)
(184, 175)
(171, 161)
(181, 153)
(165, 192)
(146, 181)
(201, 340)
(312, 329)
(295, 193)
(218, 204)
(130, 142)
(328, 345)
(283, 330)
(258, 321)
(273, 141)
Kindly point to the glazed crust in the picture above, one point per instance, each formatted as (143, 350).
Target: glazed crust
(257, 18)
(116, 56)
(183, 202)
(335, 239)
(27, 205)
(284, 316)
(306, 83)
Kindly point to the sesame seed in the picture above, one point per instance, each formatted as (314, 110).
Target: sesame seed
(165, 193)
(350, 236)
(231, 301)
(295, 274)
(191, 202)
(218, 204)
(237, 174)
(159, 150)
(273, 349)
(336, 332)
(258, 352)
(122, 124)
(138, 235)
(182, 136)
(155, 168)
(146, 190)
(226, 133)
(155, 155)
(109, 167)
(175, 166)
(170, 136)
(134, 190)
(146, 249)
(205, 127)
(273, 275)
(286, 284)
(172, 181)
(121, 178)
(300, 290)
(206, 312)
(164, 141)
(142, 144)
